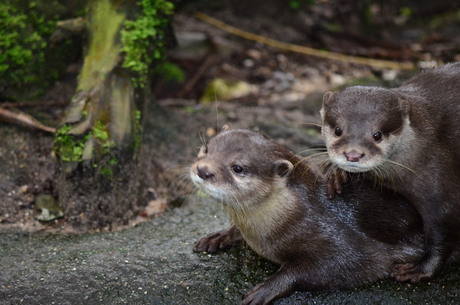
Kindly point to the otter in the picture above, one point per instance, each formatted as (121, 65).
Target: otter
(406, 139)
(277, 204)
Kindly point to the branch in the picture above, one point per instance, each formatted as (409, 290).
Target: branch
(32, 104)
(23, 119)
(305, 50)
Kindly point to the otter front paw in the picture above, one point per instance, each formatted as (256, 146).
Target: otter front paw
(260, 295)
(279, 285)
(412, 272)
(335, 182)
(222, 240)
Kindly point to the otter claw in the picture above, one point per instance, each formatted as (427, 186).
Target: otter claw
(221, 240)
(335, 182)
(410, 272)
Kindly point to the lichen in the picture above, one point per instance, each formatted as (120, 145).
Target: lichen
(104, 21)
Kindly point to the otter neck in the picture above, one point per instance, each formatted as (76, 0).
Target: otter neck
(260, 223)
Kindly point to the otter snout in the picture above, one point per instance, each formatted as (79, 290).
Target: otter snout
(204, 173)
(353, 156)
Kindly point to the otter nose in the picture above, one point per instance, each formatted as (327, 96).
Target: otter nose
(204, 174)
(353, 156)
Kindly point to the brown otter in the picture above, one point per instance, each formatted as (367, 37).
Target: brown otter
(407, 139)
(277, 204)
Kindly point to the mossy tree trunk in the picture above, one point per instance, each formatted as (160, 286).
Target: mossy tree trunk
(100, 177)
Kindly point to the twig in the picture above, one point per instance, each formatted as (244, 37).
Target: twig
(305, 50)
(23, 119)
(196, 77)
(32, 104)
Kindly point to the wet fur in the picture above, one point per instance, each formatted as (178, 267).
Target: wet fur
(419, 155)
(279, 206)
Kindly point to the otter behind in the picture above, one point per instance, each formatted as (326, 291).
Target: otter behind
(278, 205)
(406, 139)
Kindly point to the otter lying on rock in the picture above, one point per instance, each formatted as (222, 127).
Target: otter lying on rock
(278, 204)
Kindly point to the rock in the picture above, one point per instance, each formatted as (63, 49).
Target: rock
(224, 89)
(46, 208)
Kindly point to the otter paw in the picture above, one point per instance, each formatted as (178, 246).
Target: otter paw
(335, 182)
(259, 295)
(221, 240)
(410, 272)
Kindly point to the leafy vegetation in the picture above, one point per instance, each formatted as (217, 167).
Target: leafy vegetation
(169, 72)
(22, 44)
(70, 147)
(143, 38)
(28, 63)
(297, 4)
(66, 147)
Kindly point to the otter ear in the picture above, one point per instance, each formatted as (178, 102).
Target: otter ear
(405, 107)
(283, 168)
(327, 97)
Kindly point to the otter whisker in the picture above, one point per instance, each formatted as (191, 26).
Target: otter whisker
(322, 149)
(202, 138)
(403, 166)
(379, 177)
(313, 124)
(313, 156)
(393, 174)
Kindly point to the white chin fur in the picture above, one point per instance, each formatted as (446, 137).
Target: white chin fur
(353, 167)
(206, 188)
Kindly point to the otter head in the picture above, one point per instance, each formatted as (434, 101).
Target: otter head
(241, 168)
(363, 126)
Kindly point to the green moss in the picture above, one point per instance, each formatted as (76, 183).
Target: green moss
(106, 171)
(143, 38)
(28, 64)
(22, 43)
(70, 147)
(298, 4)
(104, 21)
(405, 11)
(100, 133)
(169, 72)
(137, 129)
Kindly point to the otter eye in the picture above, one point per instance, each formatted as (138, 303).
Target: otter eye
(237, 169)
(377, 136)
(338, 131)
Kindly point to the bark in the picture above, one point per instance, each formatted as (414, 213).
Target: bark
(99, 177)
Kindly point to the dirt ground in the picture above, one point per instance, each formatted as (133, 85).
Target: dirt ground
(283, 99)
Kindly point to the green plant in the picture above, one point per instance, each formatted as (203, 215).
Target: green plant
(25, 28)
(405, 11)
(297, 4)
(70, 148)
(143, 38)
(137, 129)
(66, 147)
(169, 72)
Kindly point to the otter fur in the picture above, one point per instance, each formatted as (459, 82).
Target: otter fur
(278, 204)
(406, 139)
